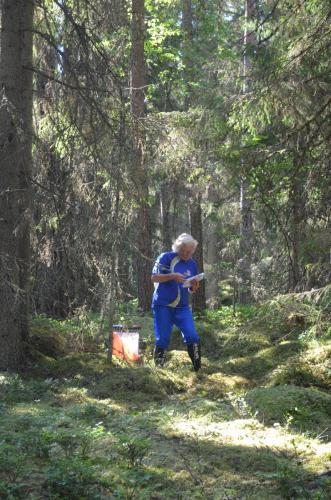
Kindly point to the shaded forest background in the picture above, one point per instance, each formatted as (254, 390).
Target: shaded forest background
(153, 118)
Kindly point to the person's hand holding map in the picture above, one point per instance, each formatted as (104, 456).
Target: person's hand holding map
(193, 282)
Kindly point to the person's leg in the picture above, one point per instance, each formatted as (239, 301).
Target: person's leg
(163, 323)
(184, 321)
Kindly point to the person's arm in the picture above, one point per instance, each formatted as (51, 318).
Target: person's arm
(162, 278)
(161, 274)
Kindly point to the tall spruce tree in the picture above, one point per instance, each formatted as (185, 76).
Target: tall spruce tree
(16, 22)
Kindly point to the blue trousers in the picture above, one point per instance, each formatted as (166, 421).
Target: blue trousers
(166, 317)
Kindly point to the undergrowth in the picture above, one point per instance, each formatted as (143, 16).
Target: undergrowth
(253, 424)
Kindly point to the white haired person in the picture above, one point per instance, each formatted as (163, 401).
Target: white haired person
(170, 303)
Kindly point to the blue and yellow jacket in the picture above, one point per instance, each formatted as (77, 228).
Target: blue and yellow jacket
(171, 293)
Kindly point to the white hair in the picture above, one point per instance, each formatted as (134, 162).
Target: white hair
(184, 239)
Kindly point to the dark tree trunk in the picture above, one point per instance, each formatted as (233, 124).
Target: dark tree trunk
(16, 164)
(139, 169)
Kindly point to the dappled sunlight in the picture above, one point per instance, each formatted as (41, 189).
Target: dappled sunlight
(228, 431)
(249, 433)
(28, 409)
(228, 382)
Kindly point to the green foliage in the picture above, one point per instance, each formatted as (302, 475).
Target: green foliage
(306, 314)
(54, 338)
(133, 449)
(15, 388)
(37, 443)
(11, 463)
(90, 412)
(75, 479)
(226, 316)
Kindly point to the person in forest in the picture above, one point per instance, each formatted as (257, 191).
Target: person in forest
(170, 302)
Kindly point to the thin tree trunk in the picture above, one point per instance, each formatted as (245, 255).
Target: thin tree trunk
(246, 220)
(16, 163)
(245, 245)
(195, 212)
(297, 205)
(212, 258)
(165, 203)
(140, 173)
(187, 25)
(110, 302)
(199, 298)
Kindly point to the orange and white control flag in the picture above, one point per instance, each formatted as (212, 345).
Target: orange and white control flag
(126, 345)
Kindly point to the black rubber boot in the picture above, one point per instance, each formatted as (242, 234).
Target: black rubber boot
(159, 356)
(194, 351)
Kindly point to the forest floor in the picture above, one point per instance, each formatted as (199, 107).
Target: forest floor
(253, 424)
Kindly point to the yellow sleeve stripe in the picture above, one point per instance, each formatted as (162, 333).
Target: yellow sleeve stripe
(175, 302)
(174, 261)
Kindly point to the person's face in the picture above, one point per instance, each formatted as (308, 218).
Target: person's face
(186, 251)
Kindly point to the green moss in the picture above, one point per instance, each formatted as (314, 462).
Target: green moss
(243, 344)
(47, 341)
(311, 367)
(303, 408)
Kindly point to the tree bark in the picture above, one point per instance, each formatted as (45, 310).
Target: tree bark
(16, 24)
(139, 168)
